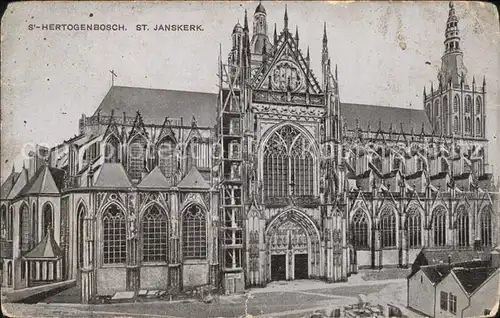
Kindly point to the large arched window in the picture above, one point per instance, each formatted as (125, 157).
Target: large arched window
(288, 162)
(486, 227)
(10, 232)
(167, 157)
(112, 149)
(468, 104)
(47, 218)
(414, 228)
(360, 230)
(197, 153)
(24, 227)
(479, 105)
(388, 228)
(137, 152)
(194, 233)
(154, 235)
(4, 222)
(462, 226)
(439, 226)
(456, 104)
(445, 115)
(79, 234)
(114, 236)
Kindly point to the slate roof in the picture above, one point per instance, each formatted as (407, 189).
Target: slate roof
(46, 249)
(155, 180)
(472, 278)
(19, 184)
(372, 115)
(193, 179)
(8, 184)
(45, 181)
(112, 175)
(436, 273)
(156, 104)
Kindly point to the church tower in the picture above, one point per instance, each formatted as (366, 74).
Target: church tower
(260, 44)
(454, 106)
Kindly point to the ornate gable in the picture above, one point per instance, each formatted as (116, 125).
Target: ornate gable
(138, 127)
(112, 129)
(166, 132)
(287, 70)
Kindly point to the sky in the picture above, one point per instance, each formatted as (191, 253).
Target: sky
(386, 53)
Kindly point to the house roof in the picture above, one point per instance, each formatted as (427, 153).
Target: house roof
(436, 273)
(193, 179)
(112, 175)
(472, 278)
(156, 104)
(155, 179)
(8, 184)
(385, 116)
(46, 180)
(46, 249)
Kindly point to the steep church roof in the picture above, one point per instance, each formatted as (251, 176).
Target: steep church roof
(194, 179)
(8, 184)
(155, 180)
(384, 116)
(43, 182)
(19, 184)
(112, 175)
(156, 104)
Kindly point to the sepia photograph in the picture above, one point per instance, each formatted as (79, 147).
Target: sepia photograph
(250, 159)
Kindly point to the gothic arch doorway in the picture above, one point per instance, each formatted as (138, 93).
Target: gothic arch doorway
(293, 247)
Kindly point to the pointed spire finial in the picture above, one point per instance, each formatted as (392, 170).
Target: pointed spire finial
(13, 169)
(286, 18)
(325, 38)
(336, 74)
(307, 55)
(297, 34)
(245, 26)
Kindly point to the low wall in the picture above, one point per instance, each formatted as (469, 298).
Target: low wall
(19, 295)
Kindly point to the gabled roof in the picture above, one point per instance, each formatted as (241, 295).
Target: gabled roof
(436, 273)
(112, 175)
(43, 182)
(19, 184)
(193, 179)
(155, 179)
(385, 116)
(8, 185)
(46, 249)
(156, 104)
(472, 278)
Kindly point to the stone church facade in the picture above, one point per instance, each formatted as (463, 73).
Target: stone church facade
(272, 178)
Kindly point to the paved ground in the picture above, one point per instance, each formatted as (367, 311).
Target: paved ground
(285, 299)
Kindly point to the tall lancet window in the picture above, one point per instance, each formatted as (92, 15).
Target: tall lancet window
(486, 227)
(167, 157)
(288, 164)
(414, 222)
(388, 227)
(462, 226)
(137, 152)
(197, 153)
(114, 242)
(112, 149)
(359, 228)
(154, 235)
(24, 228)
(194, 233)
(48, 218)
(439, 226)
(445, 115)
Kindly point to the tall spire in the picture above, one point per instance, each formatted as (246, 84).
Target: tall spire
(275, 35)
(325, 38)
(286, 18)
(297, 35)
(245, 26)
(452, 65)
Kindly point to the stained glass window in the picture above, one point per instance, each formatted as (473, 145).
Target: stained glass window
(439, 226)
(137, 162)
(360, 230)
(194, 233)
(486, 227)
(154, 235)
(388, 228)
(414, 228)
(167, 157)
(115, 236)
